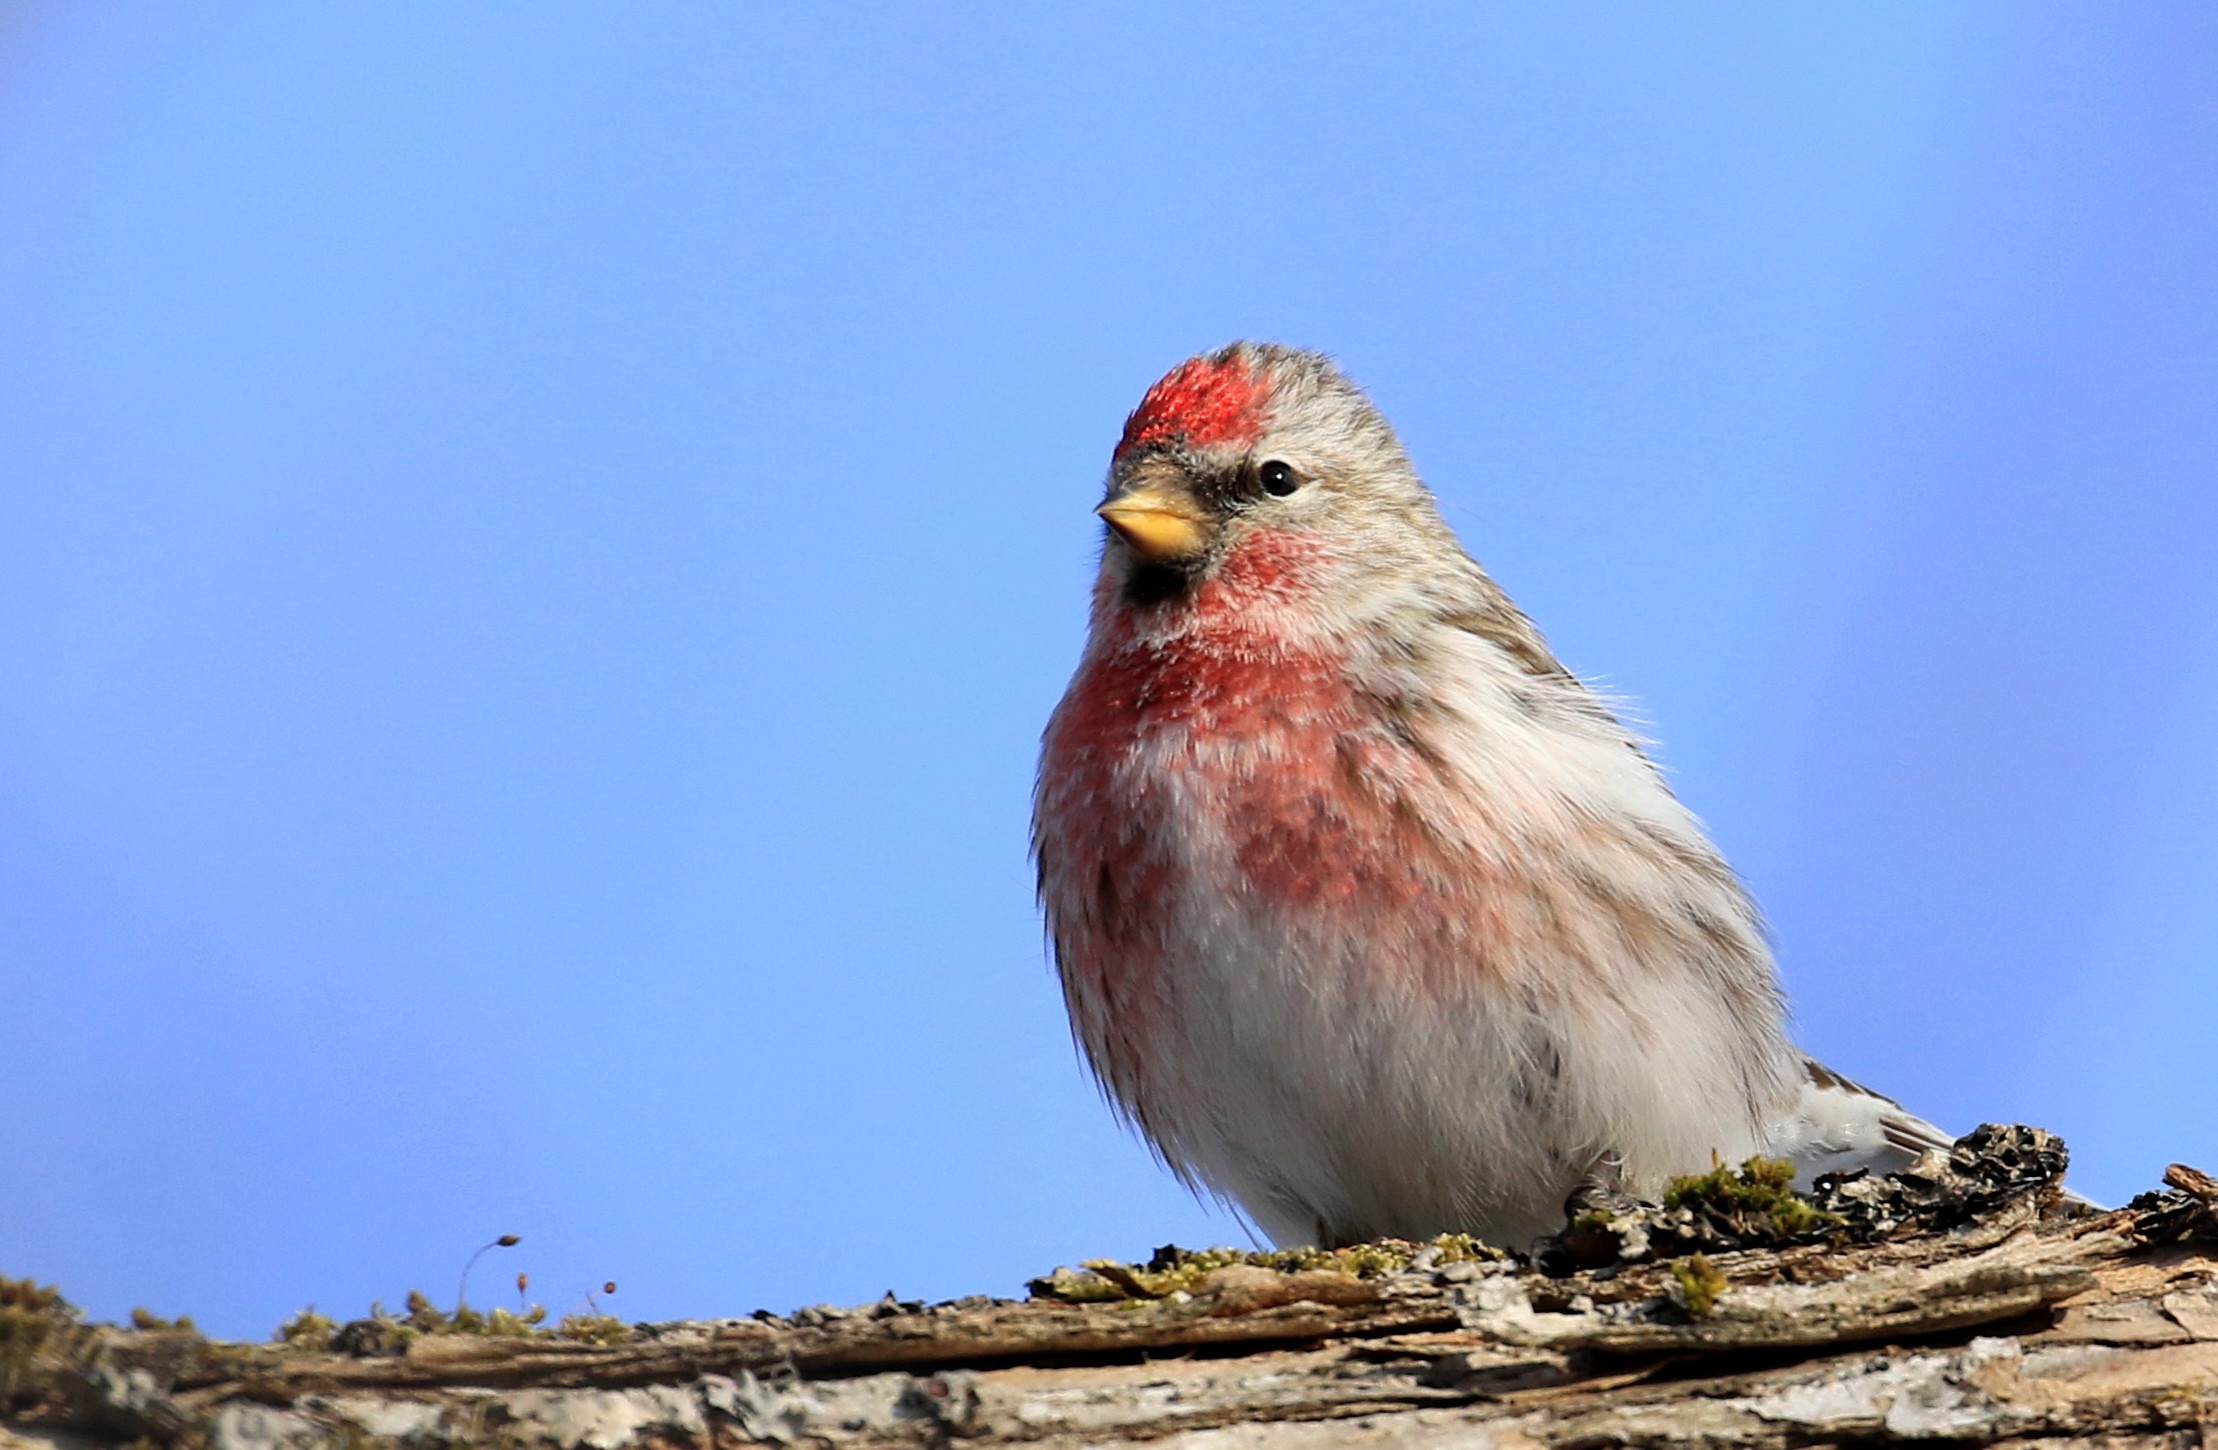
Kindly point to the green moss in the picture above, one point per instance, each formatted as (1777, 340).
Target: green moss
(148, 1322)
(601, 1329)
(425, 1317)
(503, 1325)
(28, 1297)
(30, 1316)
(306, 1330)
(1175, 1270)
(312, 1331)
(1699, 1283)
(1758, 1193)
(1065, 1286)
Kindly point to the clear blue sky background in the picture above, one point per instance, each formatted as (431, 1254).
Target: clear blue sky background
(536, 542)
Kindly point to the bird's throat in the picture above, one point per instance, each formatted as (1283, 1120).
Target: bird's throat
(1149, 585)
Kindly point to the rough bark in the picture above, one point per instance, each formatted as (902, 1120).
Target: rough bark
(2019, 1325)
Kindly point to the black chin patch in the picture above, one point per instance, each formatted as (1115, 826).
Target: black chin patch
(1154, 583)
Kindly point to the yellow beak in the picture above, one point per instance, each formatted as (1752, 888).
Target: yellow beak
(1161, 525)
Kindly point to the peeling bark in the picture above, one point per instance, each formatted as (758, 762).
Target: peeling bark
(2011, 1329)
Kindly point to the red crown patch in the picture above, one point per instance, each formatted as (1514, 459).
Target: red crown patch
(1204, 401)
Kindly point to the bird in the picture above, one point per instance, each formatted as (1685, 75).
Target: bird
(1370, 916)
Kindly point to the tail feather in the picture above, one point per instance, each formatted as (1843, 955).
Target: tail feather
(1838, 1125)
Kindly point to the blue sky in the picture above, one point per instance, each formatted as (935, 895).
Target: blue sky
(536, 543)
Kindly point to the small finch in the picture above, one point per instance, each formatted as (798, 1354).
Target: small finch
(1369, 915)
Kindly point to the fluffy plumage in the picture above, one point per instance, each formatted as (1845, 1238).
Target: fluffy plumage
(1369, 915)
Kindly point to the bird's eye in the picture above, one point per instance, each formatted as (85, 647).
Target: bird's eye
(1278, 479)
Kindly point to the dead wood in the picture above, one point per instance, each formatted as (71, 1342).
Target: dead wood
(2017, 1323)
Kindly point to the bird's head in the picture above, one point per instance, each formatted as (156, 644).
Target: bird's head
(1264, 462)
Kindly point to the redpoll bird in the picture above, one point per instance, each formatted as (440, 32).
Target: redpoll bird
(1369, 915)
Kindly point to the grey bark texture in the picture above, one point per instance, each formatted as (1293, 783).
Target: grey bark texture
(2022, 1323)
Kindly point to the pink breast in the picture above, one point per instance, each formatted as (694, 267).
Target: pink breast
(1318, 813)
